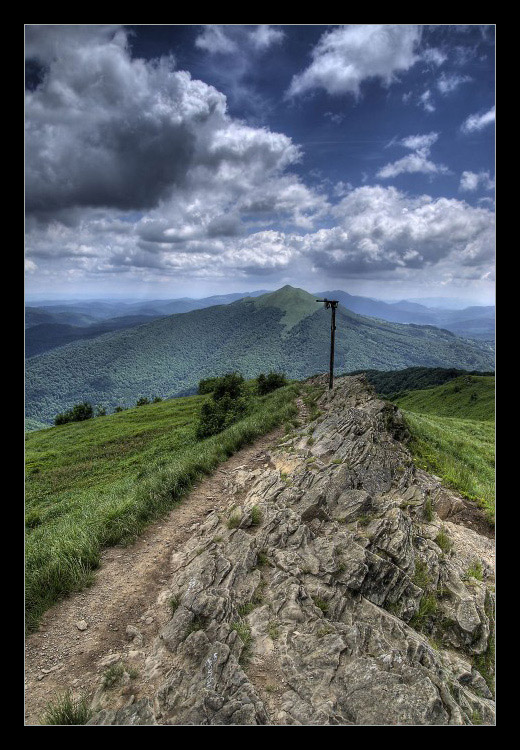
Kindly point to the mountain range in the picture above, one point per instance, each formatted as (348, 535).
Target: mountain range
(286, 330)
(50, 324)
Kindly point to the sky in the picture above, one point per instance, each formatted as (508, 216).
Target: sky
(183, 160)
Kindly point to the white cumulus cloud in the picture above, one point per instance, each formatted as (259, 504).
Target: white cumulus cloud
(415, 162)
(449, 82)
(228, 39)
(348, 55)
(471, 181)
(477, 122)
(382, 229)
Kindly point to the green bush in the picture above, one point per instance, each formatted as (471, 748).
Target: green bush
(231, 384)
(207, 386)
(270, 382)
(216, 415)
(78, 413)
(228, 404)
(142, 401)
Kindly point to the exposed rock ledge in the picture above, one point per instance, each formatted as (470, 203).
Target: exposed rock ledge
(332, 599)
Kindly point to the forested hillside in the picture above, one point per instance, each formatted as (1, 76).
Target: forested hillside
(286, 330)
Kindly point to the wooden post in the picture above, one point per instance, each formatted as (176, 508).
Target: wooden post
(332, 303)
(332, 335)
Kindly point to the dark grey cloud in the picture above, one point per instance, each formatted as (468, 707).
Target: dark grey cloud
(105, 130)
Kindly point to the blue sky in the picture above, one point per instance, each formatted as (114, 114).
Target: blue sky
(167, 161)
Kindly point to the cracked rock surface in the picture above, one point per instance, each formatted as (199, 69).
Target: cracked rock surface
(332, 594)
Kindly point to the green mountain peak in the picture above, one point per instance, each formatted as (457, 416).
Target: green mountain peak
(296, 303)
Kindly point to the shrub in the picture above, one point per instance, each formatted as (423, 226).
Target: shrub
(113, 675)
(101, 411)
(78, 413)
(227, 405)
(207, 386)
(427, 608)
(157, 400)
(215, 416)
(231, 384)
(270, 382)
(119, 409)
(142, 401)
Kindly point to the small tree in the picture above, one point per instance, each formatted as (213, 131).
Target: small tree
(101, 411)
(78, 413)
(272, 381)
(142, 401)
(157, 399)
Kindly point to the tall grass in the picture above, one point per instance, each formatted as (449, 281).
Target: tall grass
(65, 540)
(66, 710)
(460, 451)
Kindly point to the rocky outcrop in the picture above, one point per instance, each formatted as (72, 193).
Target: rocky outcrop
(331, 594)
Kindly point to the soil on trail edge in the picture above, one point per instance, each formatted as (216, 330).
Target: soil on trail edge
(316, 578)
(126, 592)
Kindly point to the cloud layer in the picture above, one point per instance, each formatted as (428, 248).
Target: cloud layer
(137, 170)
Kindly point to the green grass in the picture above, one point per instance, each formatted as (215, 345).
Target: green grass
(443, 541)
(98, 483)
(453, 435)
(65, 710)
(460, 451)
(475, 571)
(466, 397)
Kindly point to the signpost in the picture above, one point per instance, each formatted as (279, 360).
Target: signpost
(332, 303)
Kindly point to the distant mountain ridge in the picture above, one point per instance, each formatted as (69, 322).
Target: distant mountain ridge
(91, 318)
(285, 330)
(469, 322)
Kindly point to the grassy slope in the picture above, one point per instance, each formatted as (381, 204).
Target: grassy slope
(394, 384)
(97, 483)
(167, 357)
(466, 397)
(454, 435)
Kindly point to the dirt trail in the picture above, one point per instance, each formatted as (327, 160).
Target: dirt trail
(130, 590)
